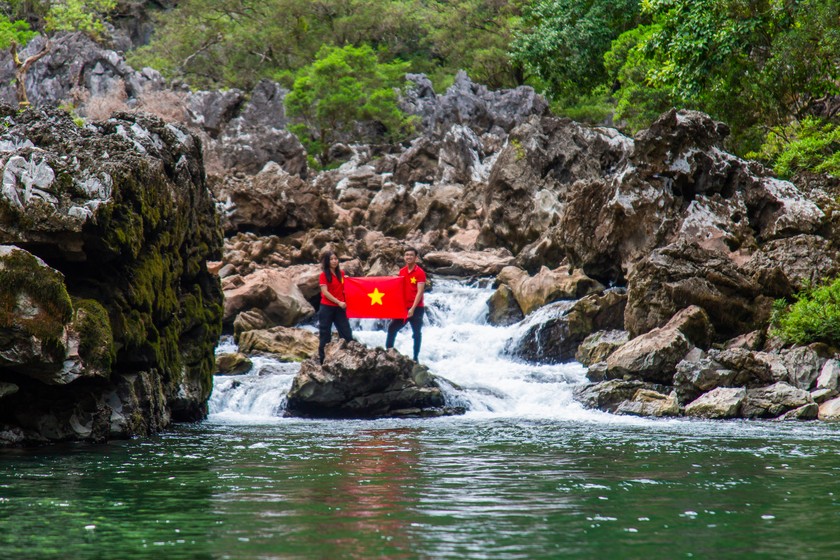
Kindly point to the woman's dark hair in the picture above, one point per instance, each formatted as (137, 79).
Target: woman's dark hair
(325, 266)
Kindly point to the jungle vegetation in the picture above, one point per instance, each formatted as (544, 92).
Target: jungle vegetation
(768, 68)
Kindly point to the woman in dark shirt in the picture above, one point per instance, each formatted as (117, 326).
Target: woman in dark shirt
(333, 306)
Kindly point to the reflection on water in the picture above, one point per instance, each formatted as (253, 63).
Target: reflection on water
(434, 488)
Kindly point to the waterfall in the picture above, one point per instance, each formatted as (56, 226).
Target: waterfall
(459, 346)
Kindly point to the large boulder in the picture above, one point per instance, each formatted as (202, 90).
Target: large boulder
(654, 355)
(359, 382)
(468, 263)
(274, 292)
(683, 274)
(284, 343)
(110, 325)
(774, 400)
(609, 395)
(554, 332)
(722, 402)
(547, 286)
(274, 201)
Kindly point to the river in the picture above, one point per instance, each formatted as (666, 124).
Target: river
(525, 473)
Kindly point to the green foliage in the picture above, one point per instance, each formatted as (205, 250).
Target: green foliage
(235, 44)
(79, 15)
(809, 145)
(814, 317)
(342, 88)
(566, 41)
(14, 31)
(637, 101)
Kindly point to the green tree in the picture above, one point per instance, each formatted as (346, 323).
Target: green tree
(14, 32)
(341, 89)
(751, 63)
(565, 42)
(811, 144)
(79, 15)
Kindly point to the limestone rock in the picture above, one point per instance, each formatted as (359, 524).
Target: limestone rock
(830, 410)
(273, 292)
(285, 344)
(598, 346)
(608, 395)
(723, 402)
(468, 263)
(503, 309)
(233, 364)
(554, 332)
(684, 274)
(650, 403)
(533, 292)
(654, 355)
(359, 382)
(130, 293)
(775, 400)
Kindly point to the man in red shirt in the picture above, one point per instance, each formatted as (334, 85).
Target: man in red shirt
(414, 279)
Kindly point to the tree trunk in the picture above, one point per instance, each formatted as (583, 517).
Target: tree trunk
(21, 68)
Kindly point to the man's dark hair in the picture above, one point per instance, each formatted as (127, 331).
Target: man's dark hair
(411, 250)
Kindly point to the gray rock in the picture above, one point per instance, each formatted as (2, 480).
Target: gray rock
(502, 307)
(608, 395)
(598, 346)
(775, 400)
(723, 402)
(359, 382)
(233, 364)
(830, 410)
(650, 403)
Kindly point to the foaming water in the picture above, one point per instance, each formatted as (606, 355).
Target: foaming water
(459, 346)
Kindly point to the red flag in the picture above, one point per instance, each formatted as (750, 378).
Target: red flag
(375, 297)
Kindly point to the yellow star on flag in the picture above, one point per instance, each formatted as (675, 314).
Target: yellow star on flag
(375, 297)
(413, 280)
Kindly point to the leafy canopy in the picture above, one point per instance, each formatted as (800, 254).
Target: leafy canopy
(341, 89)
(79, 15)
(14, 31)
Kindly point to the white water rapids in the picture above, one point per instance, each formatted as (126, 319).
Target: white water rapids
(458, 345)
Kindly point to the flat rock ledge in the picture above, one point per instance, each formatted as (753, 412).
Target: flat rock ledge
(360, 382)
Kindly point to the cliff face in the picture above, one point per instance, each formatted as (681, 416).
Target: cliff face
(108, 316)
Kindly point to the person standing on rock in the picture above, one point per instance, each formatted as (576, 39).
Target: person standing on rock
(333, 307)
(414, 282)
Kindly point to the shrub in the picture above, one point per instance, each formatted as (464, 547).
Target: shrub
(813, 317)
(808, 145)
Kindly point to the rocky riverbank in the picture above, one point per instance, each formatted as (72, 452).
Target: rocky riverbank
(653, 259)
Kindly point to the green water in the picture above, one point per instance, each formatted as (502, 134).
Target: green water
(447, 488)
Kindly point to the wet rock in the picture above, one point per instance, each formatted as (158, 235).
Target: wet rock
(723, 402)
(608, 395)
(360, 382)
(598, 346)
(808, 411)
(773, 401)
(285, 344)
(233, 364)
(533, 292)
(554, 332)
(732, 367)
(650, 403)
(654, 355)
(830, 410)
(502, 307)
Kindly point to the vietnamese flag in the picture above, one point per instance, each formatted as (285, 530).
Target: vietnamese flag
(375, 297)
